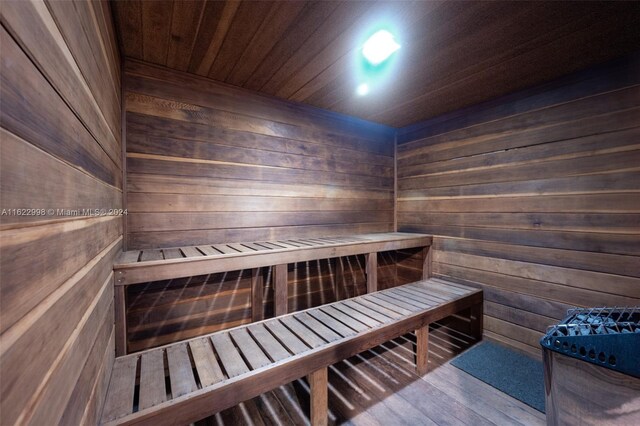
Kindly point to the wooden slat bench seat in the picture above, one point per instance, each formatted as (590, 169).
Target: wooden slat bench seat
(190, 380)
(141, 266)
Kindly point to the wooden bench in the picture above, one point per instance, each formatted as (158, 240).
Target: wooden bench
(188, 381)
(142, 266)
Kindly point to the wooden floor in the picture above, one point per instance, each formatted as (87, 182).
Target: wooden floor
(380, 387)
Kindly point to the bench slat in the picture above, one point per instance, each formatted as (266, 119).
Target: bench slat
(437, 289)
(371, 322)
(328, 240)
(451, 287)
(271, 346)
(299, 243)
(129, 256)
(190, 252)
(180, 371)
(249, 348)
(320, 329)
(119, 401)
(152, 383)
(224, 249)
(314, 242)
(270, 245)
(409, 300)
(308, 336)
(377, 308)
(172, 253)
(287, 245)
(332, 323)
(151, 255)
(241, 248)
(231, 360)
(367, 311)
(209, 251)
(286, 337)
(206, 363)
(305, 243)
(418, 296)
(393, 303)
(464, 287)
(254, 246)
(345, 319)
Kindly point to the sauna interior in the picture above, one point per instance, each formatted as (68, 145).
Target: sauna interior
(319, 212)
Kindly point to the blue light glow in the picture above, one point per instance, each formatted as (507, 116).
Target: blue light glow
(375, 58)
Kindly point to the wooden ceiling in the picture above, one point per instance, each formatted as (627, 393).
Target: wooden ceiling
(453, 54)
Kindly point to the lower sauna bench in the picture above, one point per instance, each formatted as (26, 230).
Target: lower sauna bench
(191, 380)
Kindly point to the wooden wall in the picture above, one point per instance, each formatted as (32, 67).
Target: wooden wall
(209, 163)
(60, 149)
(535, 197)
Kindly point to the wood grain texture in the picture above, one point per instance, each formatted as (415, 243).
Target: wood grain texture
(453, 55)
(256, 360)
(319, 389)
(169, 310)
(61, 150)
(533, 198)
(225, 165)
(571, 397)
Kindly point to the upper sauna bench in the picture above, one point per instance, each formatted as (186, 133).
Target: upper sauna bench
(140, 266)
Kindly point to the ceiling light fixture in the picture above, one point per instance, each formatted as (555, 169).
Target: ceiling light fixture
(362, 89)
(379, 47)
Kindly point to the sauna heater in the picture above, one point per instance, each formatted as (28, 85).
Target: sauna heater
(592, 367)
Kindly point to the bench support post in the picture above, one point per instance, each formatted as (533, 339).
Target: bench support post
(257, 285)
(477, 317)
(281, 293)
(372, 272)
(340, 282)
(318, 382)
(422, 350)
(119, 306)
(427, 258)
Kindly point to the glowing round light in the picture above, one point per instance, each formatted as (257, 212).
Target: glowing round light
(379, 47)
(362, 89)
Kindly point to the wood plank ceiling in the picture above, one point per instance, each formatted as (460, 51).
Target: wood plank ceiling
(453, 54)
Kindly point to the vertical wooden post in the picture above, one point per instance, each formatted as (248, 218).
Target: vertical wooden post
(318, 382)
(257, 285)
(119, 306)
(422, 350)
(339, 280)
(372, 272)
(477, 318)
(281, 293)
(427, 259)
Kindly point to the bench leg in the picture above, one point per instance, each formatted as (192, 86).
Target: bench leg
(372, 272)
(120, 304)
(422, 350)
(319, 397)
(427, 258)
(477, 315)
(257, 284)
(281, 296)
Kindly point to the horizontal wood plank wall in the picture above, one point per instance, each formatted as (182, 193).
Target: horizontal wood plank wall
(60, 149)
(209, 163)
(534, 197)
